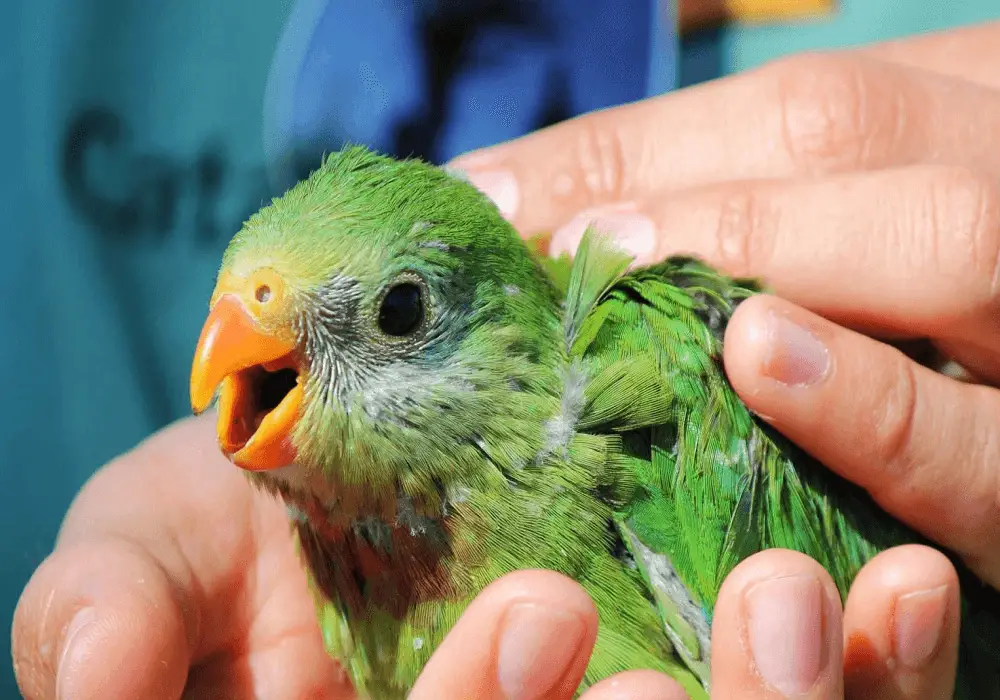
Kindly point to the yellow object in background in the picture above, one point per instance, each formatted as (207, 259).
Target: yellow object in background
(699, 14)
(777, 10)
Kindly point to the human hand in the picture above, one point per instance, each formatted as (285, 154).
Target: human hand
(863, 185)
(173, 578)
(779, 631)
(172, 575)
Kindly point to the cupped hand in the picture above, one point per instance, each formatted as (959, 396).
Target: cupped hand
(172, 575)
(862, 185)
(173, 578)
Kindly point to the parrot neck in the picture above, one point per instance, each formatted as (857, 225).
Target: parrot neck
(373, 562)
(374, 545)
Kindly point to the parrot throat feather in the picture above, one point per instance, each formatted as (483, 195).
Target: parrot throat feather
(374, 564)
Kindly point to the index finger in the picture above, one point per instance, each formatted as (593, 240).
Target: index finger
(805, 116)
(961, 53)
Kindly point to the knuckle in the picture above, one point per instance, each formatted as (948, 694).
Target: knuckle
(977, 524)
(834, 114)
(894, 423)
(964, 226)
(600, 159)
(984, 455)
(745, 233)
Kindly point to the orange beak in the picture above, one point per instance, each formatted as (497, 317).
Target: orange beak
(260, 394)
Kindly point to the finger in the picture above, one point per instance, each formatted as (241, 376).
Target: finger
(777, 630)
(280, 655)
(959, 53)
(529, 631)
(171, 529)
(849, 247)
(901, 626)
(101, 621)
(804, 116)
(119, 564)
(923, 445)
(636, 685)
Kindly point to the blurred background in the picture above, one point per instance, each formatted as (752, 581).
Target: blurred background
(136, 137)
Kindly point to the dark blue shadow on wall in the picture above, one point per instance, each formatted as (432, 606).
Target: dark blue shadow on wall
(701, 57)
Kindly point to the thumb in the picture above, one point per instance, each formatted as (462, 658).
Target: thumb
(527, 635)
(101, 600)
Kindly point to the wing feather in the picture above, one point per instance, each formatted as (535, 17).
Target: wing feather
(710, 484)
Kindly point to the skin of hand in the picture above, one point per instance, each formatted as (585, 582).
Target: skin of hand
(863, 186)
(174, 578)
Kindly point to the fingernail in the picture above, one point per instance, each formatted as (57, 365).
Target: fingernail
(919, 620)
(501, 187)
(785, 632)
(72, 652)
(794, 356)
(632, 232)
(536, 647)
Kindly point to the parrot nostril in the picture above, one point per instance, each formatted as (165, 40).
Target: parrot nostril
(263, 294)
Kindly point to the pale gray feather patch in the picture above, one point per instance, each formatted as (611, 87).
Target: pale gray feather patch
(436, 245)
(560, 428)
(663, 577)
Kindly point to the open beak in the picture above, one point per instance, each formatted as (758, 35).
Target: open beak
(261, 390)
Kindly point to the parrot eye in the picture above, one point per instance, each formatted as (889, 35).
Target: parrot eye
(402, 310)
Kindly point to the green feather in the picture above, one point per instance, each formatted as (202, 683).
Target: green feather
(545, 414)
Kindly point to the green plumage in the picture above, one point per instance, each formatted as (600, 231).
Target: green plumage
(541, 416)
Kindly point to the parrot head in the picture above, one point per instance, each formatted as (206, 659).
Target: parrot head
(365, 328)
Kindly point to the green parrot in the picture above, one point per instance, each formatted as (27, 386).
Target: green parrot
(438, 404)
